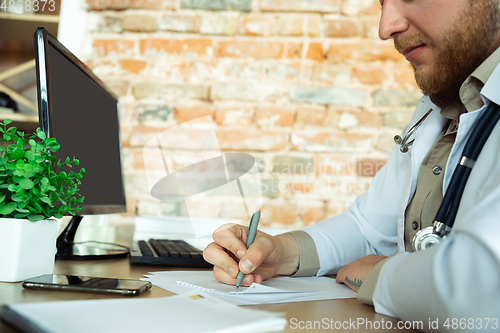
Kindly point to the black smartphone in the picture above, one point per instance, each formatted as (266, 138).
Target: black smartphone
(87, 283)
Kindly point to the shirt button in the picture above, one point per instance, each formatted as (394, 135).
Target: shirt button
(437, 170)
(414, 225)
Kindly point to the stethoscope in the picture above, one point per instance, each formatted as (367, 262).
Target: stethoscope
(445, 217)
(403, 142)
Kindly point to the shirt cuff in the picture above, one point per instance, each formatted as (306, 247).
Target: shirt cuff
(365, 292)
(308, 254)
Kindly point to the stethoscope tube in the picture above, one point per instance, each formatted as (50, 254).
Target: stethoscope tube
(448, 210)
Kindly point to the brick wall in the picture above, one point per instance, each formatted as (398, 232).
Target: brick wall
(305, 86)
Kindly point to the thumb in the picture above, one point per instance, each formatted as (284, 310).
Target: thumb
(261, 249)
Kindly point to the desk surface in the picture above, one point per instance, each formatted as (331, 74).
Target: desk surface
(337, 310)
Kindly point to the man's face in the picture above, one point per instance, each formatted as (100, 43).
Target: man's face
(443, 41)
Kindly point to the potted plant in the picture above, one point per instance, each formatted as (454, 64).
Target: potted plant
(35, 187)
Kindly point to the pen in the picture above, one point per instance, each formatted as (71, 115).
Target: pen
(251, 232)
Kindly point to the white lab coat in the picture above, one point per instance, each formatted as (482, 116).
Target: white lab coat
(458, 278)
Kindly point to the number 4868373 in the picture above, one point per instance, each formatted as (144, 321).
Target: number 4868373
(20, 6)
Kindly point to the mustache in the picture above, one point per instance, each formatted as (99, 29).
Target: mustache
(402, 42)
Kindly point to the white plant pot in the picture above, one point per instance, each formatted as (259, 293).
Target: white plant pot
(27, 249)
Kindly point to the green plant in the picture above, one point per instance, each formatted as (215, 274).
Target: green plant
(33, 184)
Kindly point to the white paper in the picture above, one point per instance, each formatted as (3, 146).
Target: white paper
(275, 290)
(255, 288)
(190, 312)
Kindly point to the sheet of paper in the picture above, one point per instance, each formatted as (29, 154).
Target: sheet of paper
(275, 290)
(203, 281)
(168, 314)
(255, 288)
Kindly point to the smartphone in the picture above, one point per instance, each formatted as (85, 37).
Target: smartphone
(87, 283)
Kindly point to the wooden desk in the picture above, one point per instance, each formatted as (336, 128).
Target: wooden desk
(348, 310)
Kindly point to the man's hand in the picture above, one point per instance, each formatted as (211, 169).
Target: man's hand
(267, 256)
(354, 273)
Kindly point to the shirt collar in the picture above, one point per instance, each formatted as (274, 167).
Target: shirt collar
(471, 88)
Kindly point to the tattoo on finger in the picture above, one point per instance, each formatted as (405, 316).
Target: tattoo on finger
(356, 283)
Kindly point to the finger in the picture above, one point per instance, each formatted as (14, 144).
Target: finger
(217, 256)
(222, 276)
(262, 248)
(258, 278)
(263, 272)
(232, 238)
(248, 280)
(340, 276)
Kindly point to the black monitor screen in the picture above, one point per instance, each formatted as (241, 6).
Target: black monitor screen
(82, 114)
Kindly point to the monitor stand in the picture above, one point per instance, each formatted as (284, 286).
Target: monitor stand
(67, 249)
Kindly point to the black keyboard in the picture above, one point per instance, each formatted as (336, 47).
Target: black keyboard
(168, 252)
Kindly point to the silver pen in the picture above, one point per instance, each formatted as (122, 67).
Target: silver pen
(251, 232)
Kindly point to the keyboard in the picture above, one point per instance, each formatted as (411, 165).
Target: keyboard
(168, 252)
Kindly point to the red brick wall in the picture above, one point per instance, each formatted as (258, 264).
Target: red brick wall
(305, 86)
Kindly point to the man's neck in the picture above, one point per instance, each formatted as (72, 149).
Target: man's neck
(450, 97)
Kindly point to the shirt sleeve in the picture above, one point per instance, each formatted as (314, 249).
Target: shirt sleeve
(365, 293)
(457, 278)
(370, 226)
(308, 254)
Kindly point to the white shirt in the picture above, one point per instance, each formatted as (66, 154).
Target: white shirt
(458, 278)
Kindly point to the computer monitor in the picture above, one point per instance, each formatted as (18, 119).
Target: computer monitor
(76, 108)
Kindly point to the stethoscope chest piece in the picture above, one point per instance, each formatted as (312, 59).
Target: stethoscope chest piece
(425, 238)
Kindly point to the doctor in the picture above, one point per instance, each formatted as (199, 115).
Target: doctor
(453, 47)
